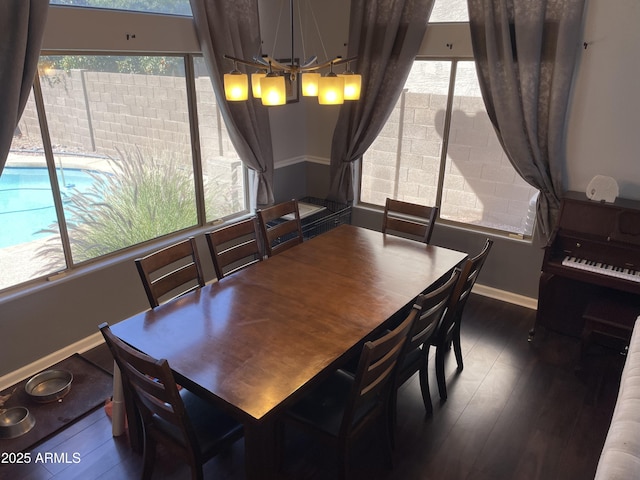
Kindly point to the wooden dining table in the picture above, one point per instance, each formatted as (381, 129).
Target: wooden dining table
(256, 341)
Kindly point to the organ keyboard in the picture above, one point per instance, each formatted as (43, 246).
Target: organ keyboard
(594, 252)
(601, 268)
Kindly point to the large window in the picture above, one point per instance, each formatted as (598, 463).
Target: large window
(173, 7)
(439, 148)
(449, 11)
(122, 170)
(27, 208)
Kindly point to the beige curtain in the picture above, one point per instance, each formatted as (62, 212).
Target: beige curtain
(233, 28)
(385, 35)
(22, 24)
(525, 53)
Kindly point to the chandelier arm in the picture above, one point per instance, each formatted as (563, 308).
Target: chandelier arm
(276, 65)
(320, 66)
(266, 61)
(250, 63)
(310, 61)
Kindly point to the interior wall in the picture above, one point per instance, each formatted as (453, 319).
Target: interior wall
(303, 129)
(603, 128)
(602, 139)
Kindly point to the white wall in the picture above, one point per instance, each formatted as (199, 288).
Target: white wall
(603, 134)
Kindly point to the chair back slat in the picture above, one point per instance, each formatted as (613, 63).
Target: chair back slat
(246, 253)
(467, 279)
(158, 411)
(235, 247)
(152, 385)
(377, 365)
(173, 270)
(432, 307)
(410, 227)
(409, 218)
(184, 278)
(281, 227)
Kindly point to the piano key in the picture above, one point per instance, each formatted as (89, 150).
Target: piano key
(604, 269)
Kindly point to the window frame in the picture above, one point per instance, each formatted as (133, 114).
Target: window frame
(106, 32)
(451, 42)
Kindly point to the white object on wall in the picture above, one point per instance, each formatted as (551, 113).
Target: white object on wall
(602, 188)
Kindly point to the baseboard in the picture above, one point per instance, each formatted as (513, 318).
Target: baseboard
(286, 162)
(27, 371)
(505, 296)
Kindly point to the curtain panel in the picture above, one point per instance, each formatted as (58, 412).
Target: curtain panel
(385, 35)
(525, 53)
(22, 24)
(233, 28)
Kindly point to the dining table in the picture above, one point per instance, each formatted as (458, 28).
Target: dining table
(256, 341)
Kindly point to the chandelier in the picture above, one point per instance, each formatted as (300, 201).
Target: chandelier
(268, 82)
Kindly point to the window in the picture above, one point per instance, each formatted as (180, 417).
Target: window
(223, 172)
(449, 11)
(173, 7)
(437, 150)
(120, 132)
(27, 208)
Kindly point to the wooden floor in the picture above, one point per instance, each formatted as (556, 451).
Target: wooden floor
(516, 411)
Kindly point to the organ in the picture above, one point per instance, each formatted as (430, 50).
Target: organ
(591, 263)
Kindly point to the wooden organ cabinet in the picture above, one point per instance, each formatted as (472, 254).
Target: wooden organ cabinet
(591, 269)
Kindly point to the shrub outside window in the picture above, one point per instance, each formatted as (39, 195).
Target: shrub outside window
(120, 134)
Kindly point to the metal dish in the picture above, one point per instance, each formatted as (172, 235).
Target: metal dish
(49, 386)
(15, 421)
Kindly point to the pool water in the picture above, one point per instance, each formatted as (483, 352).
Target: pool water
(26, 201)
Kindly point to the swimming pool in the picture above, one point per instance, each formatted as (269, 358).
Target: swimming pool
(26, 201)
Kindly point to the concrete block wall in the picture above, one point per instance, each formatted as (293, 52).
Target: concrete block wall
(113, 114)
(480, 185)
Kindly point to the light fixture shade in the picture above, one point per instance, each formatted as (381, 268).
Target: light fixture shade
(331, 90)
(255, 84)
(273, 90)
(310, 84)
(236, 86)
(352, 84)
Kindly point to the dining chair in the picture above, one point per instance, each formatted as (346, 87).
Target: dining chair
(409, 218)
(343, 406)
(415, 355)
(170, 272)
(448, 331)
(280, 226)
(234, 247)
(187, 425)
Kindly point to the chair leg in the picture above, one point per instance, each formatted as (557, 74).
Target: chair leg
(390, 440)
(457, 349)
(442, 385)
(280, 442)
(149, 457)
(423, 374)
(196, 472)
(343, 458)
(392, 416)
(195, 464)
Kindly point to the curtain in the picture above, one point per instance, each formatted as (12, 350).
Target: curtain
(525, 53)
(22, 24)
(233, 28)
(385, 35)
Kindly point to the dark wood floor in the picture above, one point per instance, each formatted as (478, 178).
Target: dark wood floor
(516, 411)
